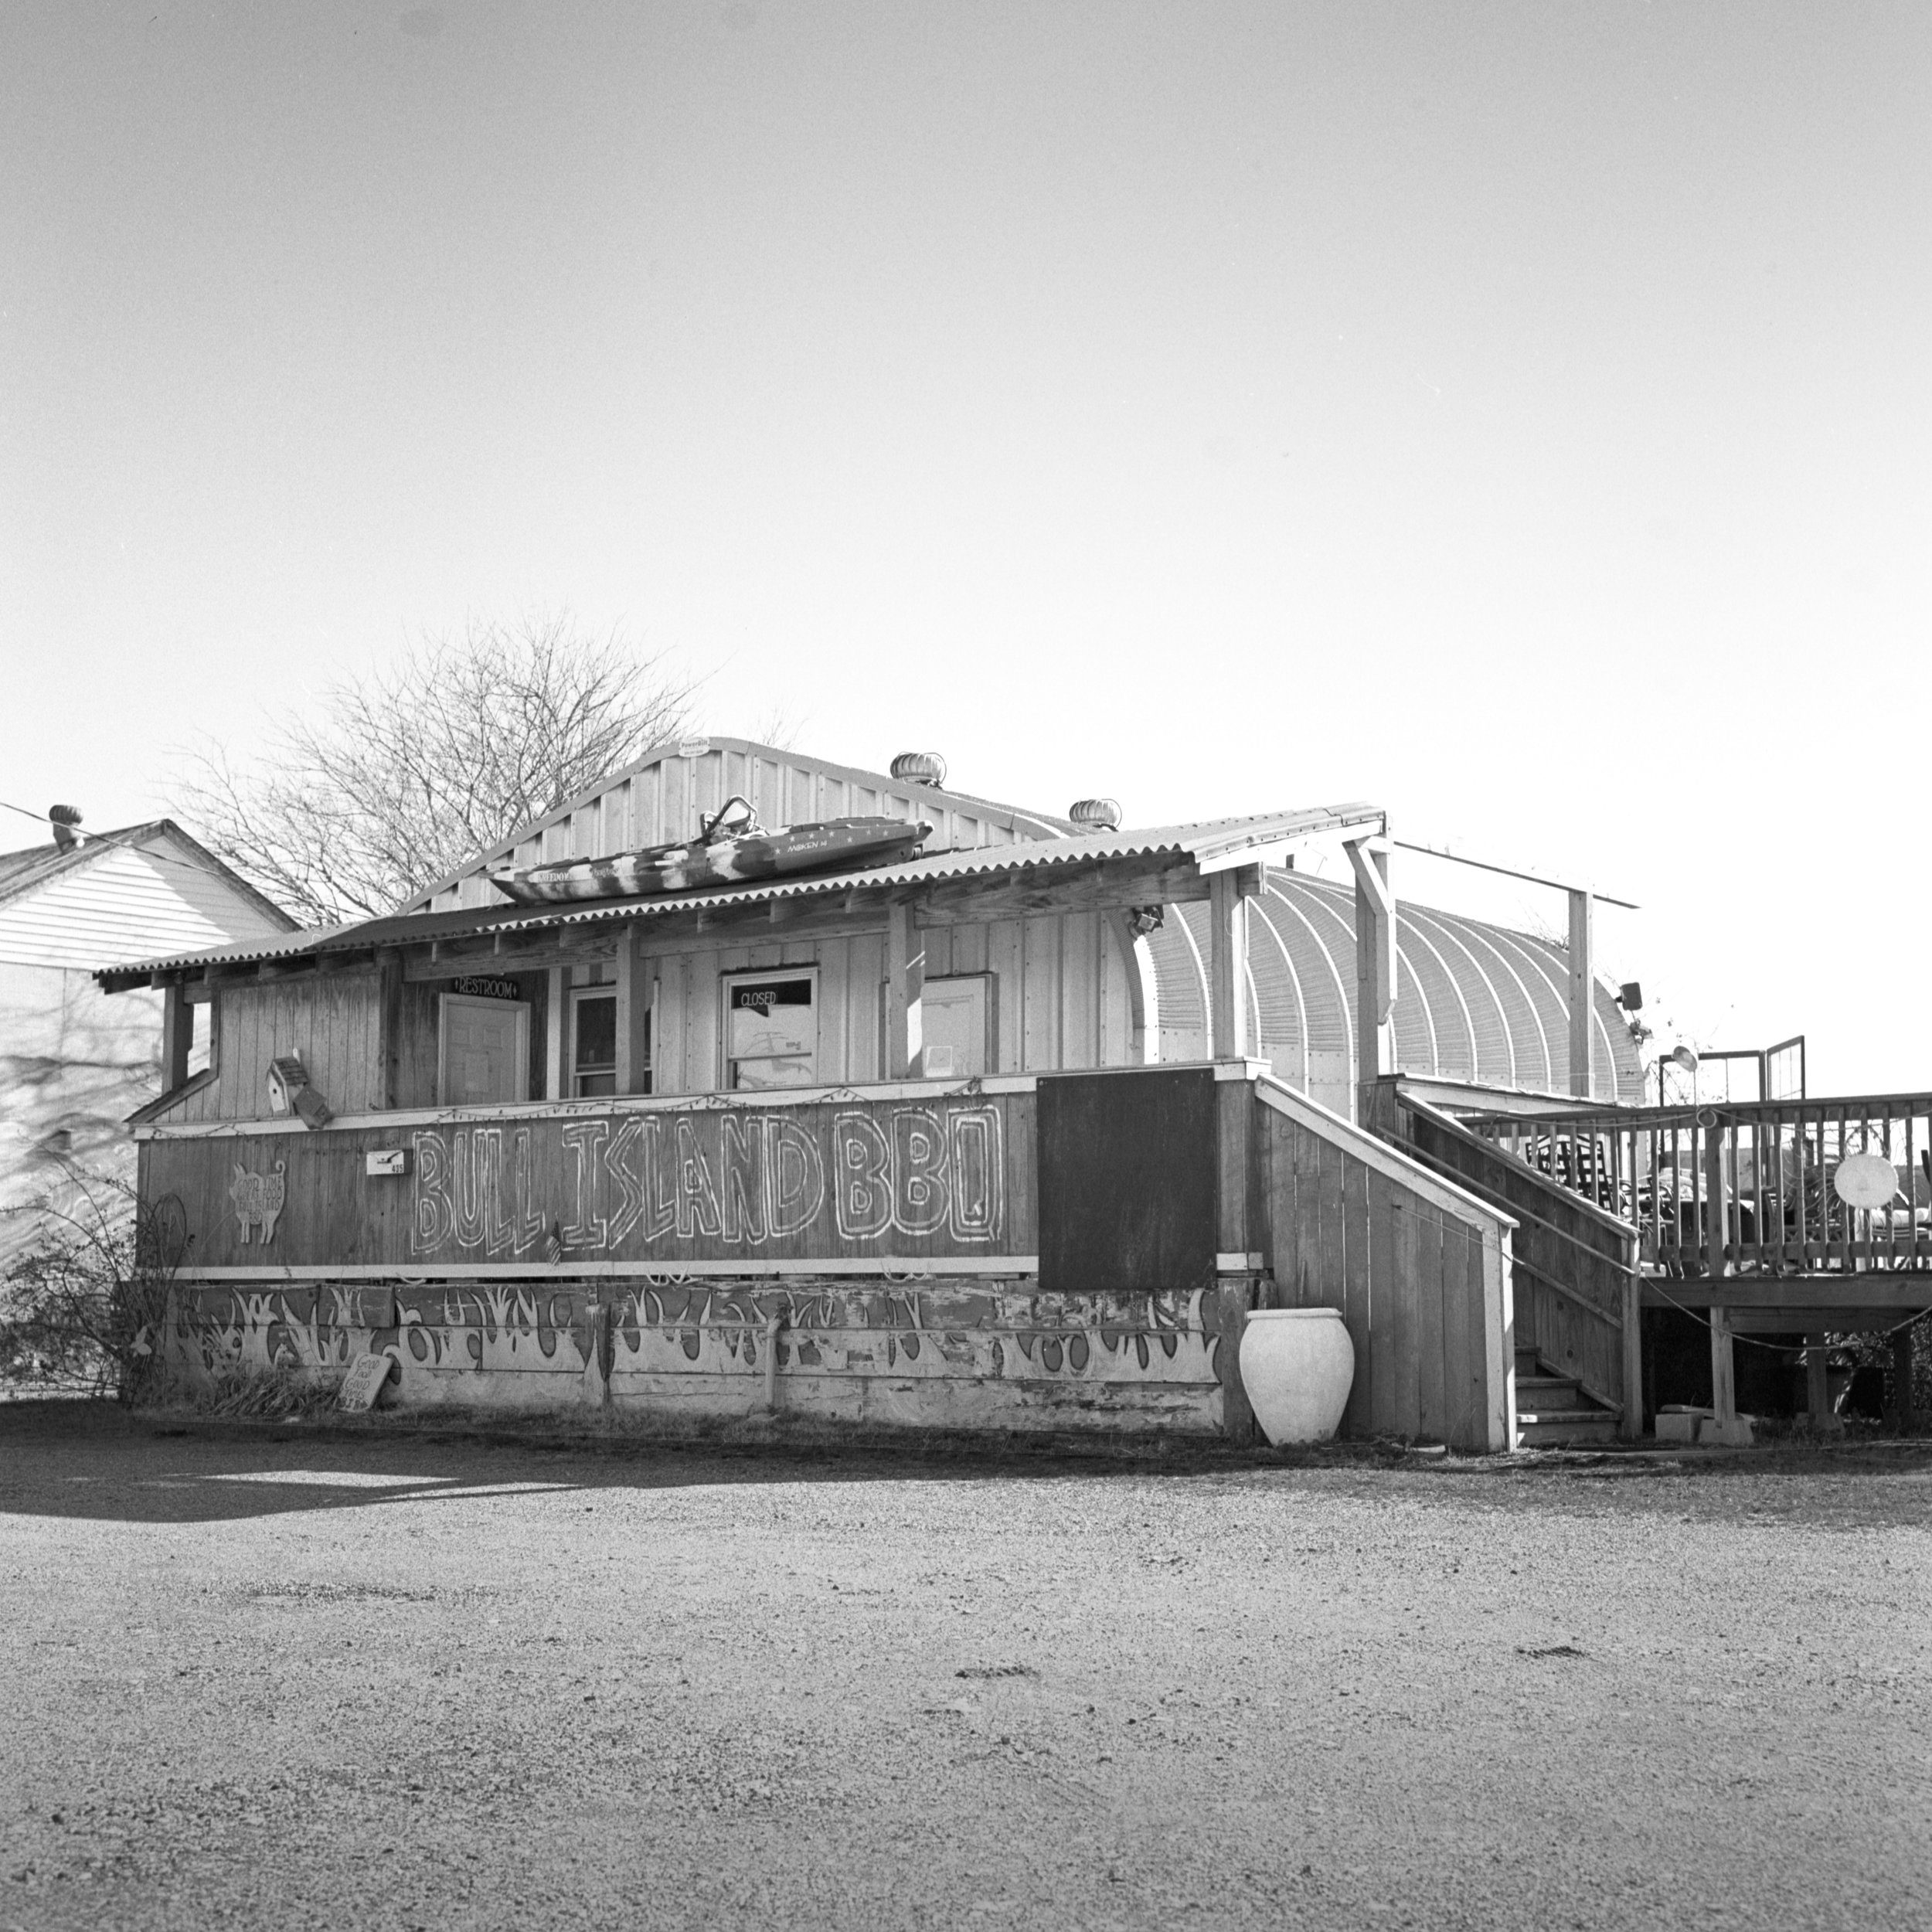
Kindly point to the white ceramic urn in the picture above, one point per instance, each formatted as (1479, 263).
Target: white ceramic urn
(1297, 1366)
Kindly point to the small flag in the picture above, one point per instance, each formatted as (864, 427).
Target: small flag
(553, 1244)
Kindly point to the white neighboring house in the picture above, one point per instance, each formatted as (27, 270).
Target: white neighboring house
(73, 1062)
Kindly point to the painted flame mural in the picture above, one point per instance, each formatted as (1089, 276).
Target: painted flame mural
(704, 1343)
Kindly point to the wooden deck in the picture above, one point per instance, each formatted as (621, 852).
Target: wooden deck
(1721, 1196)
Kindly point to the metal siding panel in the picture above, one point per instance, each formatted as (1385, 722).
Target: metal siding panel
(1494, 1061)
(1321, 942)
(1415, 1035)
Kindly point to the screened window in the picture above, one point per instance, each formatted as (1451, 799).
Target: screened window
(593, 1041)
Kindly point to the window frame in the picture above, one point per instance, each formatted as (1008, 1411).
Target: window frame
(989, 1045)
(573, 1073)
(754, 976)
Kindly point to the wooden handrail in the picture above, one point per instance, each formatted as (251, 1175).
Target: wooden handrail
(1562, 1234)
(1741, 1112)
(1569, 1198)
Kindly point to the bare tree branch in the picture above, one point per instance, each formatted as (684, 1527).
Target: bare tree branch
(400, 777)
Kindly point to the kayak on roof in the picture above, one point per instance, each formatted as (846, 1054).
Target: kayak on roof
(732, 849)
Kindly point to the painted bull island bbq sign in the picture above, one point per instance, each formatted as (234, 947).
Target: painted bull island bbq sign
(742, 1180)
(928, 1177)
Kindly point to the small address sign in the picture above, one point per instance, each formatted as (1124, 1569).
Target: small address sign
(482, 988)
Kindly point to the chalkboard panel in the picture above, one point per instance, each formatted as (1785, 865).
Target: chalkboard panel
(1127, 1175)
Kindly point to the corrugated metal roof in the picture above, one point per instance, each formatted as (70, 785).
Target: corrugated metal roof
(1212, 843)
(665, 795)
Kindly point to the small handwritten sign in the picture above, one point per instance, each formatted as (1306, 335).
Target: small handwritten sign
(481, 987)
(386, 1160)
(364, 1382)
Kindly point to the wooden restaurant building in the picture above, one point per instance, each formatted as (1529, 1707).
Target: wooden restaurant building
(1011, 1134)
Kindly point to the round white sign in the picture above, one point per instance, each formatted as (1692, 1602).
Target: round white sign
(1864, 1180)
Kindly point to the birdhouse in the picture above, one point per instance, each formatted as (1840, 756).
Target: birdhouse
(290, 1092)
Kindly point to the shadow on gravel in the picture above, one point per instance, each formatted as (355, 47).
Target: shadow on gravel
(94, 1462)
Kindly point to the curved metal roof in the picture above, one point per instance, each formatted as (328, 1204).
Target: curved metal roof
(1474, 1002)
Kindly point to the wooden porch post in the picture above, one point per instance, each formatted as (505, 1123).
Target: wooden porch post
(1375, 956)
(556, 1033)
(1905, 1417)
(634, 1014)
(1818, 1378)
(389, 969)
(1632, 1426)
(905, 994)
(1582, 974)
(1229, 893)
(177, 1035)
(1723, 1371)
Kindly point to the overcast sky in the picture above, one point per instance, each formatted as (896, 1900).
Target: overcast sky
(1517, 414)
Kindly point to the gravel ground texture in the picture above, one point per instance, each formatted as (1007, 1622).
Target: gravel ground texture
(285, 1678)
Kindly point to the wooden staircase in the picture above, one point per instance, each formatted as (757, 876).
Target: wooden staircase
(1552, 1410)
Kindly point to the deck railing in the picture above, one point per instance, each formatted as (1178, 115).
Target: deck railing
(1732, 1189)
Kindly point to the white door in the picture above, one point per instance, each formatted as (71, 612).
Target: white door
(953, 1014)
(485, 1055)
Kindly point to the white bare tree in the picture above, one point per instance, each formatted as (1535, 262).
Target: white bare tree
(389, 782)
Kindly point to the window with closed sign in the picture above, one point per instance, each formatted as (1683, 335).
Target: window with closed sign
(771, 1030)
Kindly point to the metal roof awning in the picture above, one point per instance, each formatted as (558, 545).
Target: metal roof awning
(1212, 845)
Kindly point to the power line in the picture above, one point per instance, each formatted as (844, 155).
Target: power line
(108, 839)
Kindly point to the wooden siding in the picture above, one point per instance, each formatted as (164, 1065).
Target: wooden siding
(890, 1244)
(1419, 1269)
(121, 904)
(912, 1180)
(687, 1053)
(333, 1022)
(1066, 987)
(1064, 997)
(665, 797)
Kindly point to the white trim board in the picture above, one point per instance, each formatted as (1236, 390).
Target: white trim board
(601, 1108)
(909, 1268)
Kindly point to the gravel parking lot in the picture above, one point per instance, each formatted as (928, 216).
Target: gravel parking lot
(284, 1680)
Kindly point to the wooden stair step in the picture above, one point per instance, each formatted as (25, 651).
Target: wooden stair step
(1554, 1429)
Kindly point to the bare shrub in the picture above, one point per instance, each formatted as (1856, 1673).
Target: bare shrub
(84, 1305)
